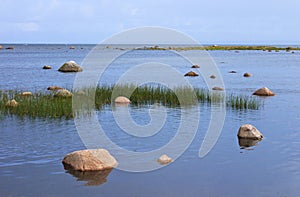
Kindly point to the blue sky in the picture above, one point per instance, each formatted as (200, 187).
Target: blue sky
(209, 22)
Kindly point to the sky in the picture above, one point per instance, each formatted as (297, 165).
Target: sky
(208, 22)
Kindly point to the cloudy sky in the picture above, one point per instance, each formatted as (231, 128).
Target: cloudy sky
(207, 21)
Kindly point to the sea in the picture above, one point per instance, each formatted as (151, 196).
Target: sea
(32, 149)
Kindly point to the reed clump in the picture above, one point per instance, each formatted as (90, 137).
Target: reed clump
(45, 104)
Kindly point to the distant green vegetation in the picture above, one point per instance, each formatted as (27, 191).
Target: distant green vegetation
(223, 47)
(45, 104)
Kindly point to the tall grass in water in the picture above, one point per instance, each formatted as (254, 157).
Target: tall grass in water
(44, 104)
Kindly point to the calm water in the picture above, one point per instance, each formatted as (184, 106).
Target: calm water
(31, 150)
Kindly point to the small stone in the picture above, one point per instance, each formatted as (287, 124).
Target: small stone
(46, 67)
(10, 47)
(248, 131)
(72, 47)
(54, 88)
(212, 76)
(122, 100)
(264, 92)
(233, 71)
(12, 103)
(26, 94)
(247, 74)
(195, 66)
(63, 93)
(191, 74)
(164, 159)
(217, 88)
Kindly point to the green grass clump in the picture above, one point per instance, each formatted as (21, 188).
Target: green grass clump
(45, 104)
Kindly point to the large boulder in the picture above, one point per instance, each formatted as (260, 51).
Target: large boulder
(122, 100)
(164, 159)
(191, 74)
(248, 131)
(70, 66)
(63, 93)
(264, 92)
(89, 160)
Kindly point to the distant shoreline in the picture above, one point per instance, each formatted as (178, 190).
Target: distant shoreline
(168, 47)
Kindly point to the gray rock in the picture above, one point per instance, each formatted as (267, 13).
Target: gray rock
(89, 160)
(248, 131)
(70, 66)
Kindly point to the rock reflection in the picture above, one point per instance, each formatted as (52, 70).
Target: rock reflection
(93, 178)
(247, 143)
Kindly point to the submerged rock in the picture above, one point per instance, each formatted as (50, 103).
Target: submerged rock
(122, 99)
(248, 131)
(191, 74)
(164, 159)
(233, 71)
(247, 74)
(264, 92)
(46, 67)
(195, 66)
(63, 93)
(11, 103)
(89, 160)
(70, 66)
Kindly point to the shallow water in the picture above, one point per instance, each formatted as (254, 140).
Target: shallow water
(31, 150)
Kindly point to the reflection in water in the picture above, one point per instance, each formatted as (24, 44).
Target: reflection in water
(247, 143)
(93, 178)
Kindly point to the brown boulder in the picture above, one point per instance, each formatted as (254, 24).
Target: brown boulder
(248, 131)
(212, 76)
(191, 74)
(89, 160)
(70, 66)
(263, 92)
